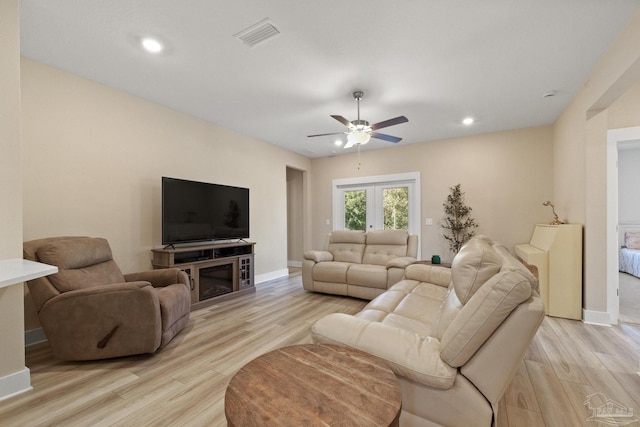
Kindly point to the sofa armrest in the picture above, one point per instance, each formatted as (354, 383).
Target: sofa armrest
(435, 274)
(406, 353)
(159, 278)
(318, 256)
(401, 262)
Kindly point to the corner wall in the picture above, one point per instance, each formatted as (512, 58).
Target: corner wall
(94, 157)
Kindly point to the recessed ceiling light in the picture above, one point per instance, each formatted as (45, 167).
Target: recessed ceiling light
(467, 121)
(338, 142)
(151, 45)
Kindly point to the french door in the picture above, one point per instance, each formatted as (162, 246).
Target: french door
(389, 202)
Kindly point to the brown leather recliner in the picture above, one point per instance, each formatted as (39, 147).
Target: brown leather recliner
(90, 310)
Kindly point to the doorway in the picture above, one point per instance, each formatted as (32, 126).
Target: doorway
(295, 216)
(615, 139)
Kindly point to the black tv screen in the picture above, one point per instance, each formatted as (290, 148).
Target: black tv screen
(198, 211)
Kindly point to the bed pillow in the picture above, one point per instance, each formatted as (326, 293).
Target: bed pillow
(632, 239)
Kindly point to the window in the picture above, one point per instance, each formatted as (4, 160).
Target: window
(355, 209)
(395, 208)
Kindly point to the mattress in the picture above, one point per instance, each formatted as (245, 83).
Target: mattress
(629, 261)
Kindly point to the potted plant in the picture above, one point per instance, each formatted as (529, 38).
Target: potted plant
(458, 226)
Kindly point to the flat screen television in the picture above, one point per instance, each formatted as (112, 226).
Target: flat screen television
(198, 211)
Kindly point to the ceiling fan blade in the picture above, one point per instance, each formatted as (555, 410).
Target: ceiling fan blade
(386, 137)
(326, 134)
(390, 122)
(342, 120)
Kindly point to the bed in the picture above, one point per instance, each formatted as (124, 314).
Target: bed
(629, 259)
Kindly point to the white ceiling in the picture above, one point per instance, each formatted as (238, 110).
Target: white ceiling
(434, 61)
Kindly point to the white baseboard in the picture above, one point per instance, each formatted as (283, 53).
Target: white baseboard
(297, 264)
(34, 336)
(601, 318)
(14, 384)
(271, 275)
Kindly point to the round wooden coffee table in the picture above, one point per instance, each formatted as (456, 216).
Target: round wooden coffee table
(313, 385)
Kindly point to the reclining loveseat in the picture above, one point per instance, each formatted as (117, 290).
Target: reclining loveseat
(454, 337)
(359, 264)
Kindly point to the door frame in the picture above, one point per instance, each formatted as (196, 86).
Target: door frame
(614, 138)
(411, 178)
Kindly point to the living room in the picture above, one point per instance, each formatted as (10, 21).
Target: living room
(91, 158)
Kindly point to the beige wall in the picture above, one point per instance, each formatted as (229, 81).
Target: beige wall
(94, 156)
(11, 311)
(625, 111)
(506, 177)
(580, 152)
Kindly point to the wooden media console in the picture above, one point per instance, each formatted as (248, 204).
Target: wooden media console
(216, 271)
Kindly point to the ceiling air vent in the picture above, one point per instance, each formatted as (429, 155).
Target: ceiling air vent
(257, 33)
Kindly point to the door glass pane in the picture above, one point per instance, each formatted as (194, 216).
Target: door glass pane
(355, 209)
(396, 208)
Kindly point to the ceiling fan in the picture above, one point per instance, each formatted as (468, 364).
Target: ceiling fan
(360, 131)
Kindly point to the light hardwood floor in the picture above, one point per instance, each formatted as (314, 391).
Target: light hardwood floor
(184, 384)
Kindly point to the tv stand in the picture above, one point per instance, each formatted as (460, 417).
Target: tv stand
(217, 272)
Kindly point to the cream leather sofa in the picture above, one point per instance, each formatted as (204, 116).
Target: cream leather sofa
(454, 337)
(359, 264)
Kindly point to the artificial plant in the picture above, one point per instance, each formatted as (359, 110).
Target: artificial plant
(458, 226)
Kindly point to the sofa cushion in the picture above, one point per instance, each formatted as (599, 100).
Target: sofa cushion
(379, 307)
(408, 304)
(82, 263)
(332, 272)
(422, 302)
(372, 276)
(385, 245)
(448, 311)
(406, 353)
(482, 315)
(347, 245)
(387, 237)
(473, 265)
(75, 253)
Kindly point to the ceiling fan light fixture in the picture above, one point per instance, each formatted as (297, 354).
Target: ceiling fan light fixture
(358, 138)
(359, 132)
